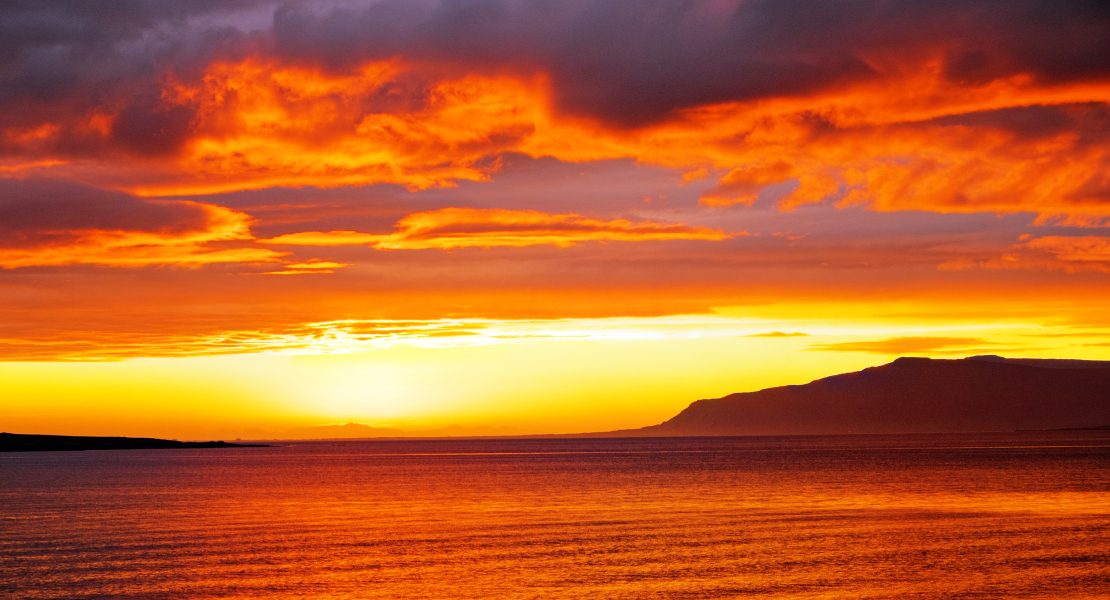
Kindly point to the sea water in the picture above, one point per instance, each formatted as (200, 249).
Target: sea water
(1017, 515)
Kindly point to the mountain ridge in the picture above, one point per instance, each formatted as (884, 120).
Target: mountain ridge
(911, 395)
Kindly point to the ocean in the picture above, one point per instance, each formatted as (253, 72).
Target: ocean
(1007, 515)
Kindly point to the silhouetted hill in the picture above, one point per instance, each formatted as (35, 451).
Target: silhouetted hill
(1048, 363)
(982, 393)
(18, 442)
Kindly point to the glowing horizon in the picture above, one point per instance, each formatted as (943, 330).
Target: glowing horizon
(602, 215)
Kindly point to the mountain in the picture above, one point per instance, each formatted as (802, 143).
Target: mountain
(912, 395)
(348, 430)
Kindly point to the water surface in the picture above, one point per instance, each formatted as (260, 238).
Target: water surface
(1023, 515)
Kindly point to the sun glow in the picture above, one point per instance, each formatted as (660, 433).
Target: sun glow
(615, 372)
(546, 213)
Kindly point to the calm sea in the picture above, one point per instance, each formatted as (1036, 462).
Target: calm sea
(1024, 515)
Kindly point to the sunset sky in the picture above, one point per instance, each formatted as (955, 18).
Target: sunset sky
(235, 218)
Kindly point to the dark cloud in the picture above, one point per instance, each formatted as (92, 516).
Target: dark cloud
(627, 64)
(61, 61)
(46, 207)
(53, 223)
(632, 65)
(1089, 120)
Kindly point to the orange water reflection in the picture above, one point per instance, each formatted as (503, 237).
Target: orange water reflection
(1007, 515)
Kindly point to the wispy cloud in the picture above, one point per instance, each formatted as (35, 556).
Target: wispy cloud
(341, 336)
(50, 223)
(907, 345)
(449, 228)
(309, 268)
(882, 104)
(325, 238)
(1053, 252)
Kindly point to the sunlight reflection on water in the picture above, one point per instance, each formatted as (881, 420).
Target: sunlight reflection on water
(978, 516)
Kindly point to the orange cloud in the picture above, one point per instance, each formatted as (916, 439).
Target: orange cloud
(119, 249)
(325, 238)
(908, 138)
(778, 334)
(348, 335)
(309, 268)
(907, 345)
(742, 185)
(49, 223)
(472, 227)
(262, 124)
(1075, 249)
(1053, 252)
(317, 265)
(1007, 145)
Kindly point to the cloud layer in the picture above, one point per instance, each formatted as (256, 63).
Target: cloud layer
(862, 143)
(908, 105)
(49, 222)
(449, 228)
(909, 345)
(1052, 252)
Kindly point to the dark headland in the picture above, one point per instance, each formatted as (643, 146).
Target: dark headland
(17, 442)
(911, 395)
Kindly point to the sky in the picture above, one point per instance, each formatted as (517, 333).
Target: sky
(237, 218)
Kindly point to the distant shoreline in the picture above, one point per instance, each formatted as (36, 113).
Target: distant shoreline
(18, 442)
(11, 442)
